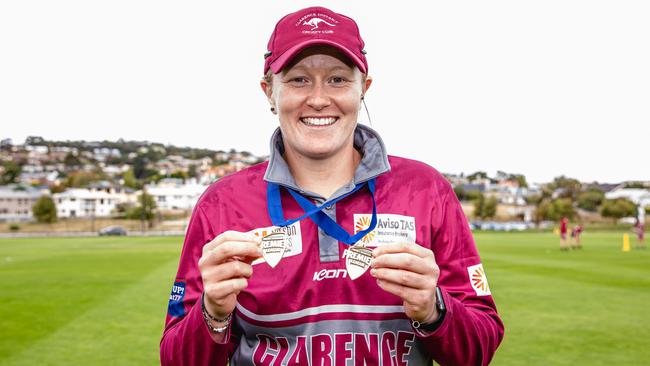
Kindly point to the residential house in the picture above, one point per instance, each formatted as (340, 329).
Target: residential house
(16, 202)
(173, 194)
(91, 202)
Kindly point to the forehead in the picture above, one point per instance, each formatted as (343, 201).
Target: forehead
(320, 57)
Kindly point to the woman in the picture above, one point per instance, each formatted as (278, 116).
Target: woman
(325, 253)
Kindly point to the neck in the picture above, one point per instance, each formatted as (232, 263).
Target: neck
(323, 176)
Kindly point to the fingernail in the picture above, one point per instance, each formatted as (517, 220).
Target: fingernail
(373, 272)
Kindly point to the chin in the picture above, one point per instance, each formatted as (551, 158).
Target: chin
(317, 153)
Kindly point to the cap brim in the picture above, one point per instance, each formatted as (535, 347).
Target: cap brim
(282, 61)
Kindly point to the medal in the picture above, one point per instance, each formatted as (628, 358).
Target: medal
(273, 247)
(357, 257)
(357, 260)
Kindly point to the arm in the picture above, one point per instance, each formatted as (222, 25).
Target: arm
(220, 267)
(471, 329)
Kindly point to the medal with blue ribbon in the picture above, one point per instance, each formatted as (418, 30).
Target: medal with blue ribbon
(357, 256)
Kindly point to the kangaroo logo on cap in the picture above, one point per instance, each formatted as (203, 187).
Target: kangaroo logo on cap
(313, 22)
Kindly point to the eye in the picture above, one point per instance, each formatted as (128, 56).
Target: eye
(338, 80)
(297, 81)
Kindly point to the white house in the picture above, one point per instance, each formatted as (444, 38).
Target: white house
(172, 194)
(81, 202)
(16, 202)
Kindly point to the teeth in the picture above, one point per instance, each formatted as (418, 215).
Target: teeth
(313, 121)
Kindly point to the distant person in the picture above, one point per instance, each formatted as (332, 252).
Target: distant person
(575, 236)
(640, 234)
(564, 245)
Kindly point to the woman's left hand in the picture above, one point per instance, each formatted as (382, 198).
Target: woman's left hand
(410, 272)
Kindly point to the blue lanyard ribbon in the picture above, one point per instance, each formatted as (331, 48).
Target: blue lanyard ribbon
(329, 226)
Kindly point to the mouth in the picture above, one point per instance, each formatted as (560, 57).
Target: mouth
(319, 121)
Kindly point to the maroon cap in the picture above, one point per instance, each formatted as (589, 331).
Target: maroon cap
(314, 26)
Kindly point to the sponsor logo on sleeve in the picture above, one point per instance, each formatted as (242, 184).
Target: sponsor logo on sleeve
(175, 307)
(478, 280)
(390, 229)
(293, 243)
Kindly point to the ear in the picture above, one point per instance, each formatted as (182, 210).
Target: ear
(366, 85)
(267, 88)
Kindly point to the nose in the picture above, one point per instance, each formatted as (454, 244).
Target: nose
(318, 98)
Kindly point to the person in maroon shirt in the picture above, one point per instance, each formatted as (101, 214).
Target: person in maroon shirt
(332, 252)
(564, 222)
(575, 236)
(640, 234)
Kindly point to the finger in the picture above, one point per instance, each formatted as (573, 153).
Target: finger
(418, 300)
(412, 248)
(231, 250)
(231, 235)
(404, 278)
(406, 261)
(217, 292)
(225, 271)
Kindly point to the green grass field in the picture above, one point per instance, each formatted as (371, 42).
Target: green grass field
(101, 301)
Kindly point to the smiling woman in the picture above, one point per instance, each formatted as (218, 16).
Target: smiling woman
(274, 269)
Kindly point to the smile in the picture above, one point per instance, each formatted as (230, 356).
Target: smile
(319, 121)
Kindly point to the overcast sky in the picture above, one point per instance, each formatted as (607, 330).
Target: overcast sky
(543, 88)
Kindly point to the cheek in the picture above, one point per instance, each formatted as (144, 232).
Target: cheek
(286, 101)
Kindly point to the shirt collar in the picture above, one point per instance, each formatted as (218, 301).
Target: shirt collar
(374, 161)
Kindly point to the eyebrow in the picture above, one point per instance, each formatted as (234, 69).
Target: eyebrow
(300, 67)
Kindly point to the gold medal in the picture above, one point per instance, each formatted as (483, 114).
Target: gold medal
(357, 260)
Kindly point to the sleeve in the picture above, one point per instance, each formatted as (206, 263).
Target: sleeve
(187, 339)
(471, 330)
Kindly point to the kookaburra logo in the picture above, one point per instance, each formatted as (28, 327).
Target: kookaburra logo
(313, 22)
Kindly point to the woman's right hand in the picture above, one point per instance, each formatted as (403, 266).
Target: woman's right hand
(225, 267)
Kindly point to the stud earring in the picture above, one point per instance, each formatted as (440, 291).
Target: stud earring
(272, 109)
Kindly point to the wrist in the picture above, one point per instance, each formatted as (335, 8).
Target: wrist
(433, 321)
(216, 325)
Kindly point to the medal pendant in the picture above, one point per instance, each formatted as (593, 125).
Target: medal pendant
(273, 247)
(357, 260)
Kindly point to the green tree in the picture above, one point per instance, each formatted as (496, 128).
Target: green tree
(71, 160)
(618, 208)
(485, 208)
(568, 187)
(84, 178)
(44, 210)
(554, 209)
(521, 179)
(179, 174)
(129, 179)
(10, 173)
(474, 176)
(145, 210)
(460, 192)
(479, 202)
(490, 207)
(591, 199)
(562, 207)
(192, 171)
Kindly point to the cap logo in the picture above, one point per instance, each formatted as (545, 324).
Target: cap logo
(314, 21)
